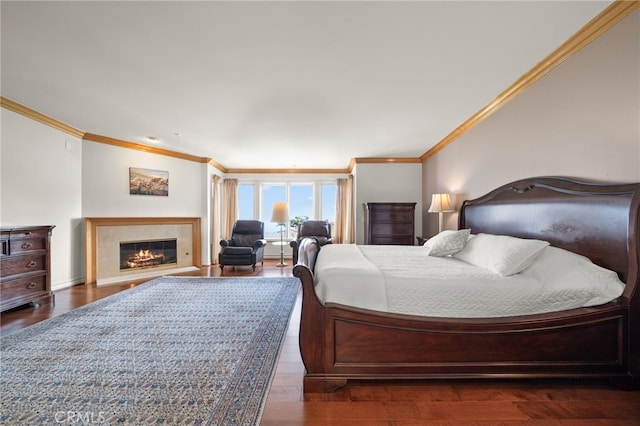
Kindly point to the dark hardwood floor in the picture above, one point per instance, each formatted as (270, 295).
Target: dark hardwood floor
(468, 402)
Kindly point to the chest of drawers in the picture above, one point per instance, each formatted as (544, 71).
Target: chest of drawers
(25, 275)
(389, 223)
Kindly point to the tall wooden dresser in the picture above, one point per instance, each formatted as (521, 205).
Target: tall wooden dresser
(25, 273)
(389, 223)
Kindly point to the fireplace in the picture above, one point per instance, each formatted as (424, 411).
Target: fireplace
(164, 246)
(148, 254)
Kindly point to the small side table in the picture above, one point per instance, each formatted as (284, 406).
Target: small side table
(281, 244)
(422, 240)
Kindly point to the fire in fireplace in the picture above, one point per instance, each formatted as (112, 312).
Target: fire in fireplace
(147, 254)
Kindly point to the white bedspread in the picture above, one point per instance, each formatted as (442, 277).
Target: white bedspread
(404, 279)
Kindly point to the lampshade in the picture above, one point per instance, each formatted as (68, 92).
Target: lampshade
(280, 213)
(440, 203)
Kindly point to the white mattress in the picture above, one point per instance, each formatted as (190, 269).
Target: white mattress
(404, 279)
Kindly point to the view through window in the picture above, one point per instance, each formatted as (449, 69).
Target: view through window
(314, 201)
(245, 201)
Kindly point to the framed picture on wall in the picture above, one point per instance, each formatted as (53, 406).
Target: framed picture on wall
(148, 182)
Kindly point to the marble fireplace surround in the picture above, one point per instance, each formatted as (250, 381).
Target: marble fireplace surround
(104, 234)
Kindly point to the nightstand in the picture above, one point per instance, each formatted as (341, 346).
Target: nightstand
(422, 240)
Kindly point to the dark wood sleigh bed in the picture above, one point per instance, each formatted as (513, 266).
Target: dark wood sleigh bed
(601, 221)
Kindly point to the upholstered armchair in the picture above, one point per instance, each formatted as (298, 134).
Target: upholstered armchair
(320, 229)
(246, 246)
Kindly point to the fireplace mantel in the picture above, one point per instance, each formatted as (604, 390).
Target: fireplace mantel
(94, 224)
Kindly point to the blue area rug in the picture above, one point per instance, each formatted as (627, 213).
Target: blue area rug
(175, 350)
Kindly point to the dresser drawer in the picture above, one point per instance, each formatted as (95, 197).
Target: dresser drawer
(23, 287)
(15, 265)
(393, 216)
(40, 233)
(392, 241)
(392, 229)
(24, 246)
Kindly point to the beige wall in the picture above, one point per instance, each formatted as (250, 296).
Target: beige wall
(105, 186)
(40, 184)
(386, 182)
(581, 120)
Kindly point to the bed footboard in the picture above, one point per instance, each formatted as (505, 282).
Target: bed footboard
(311, 336)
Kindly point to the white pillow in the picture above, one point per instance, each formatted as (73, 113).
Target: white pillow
(575, 277)
(447, 242)
(501, 254)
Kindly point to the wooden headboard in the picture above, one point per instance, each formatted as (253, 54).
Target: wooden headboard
(597, 220)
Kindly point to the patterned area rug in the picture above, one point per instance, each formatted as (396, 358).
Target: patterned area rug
(187, 351)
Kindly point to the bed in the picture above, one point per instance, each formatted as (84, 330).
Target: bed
(600, 221)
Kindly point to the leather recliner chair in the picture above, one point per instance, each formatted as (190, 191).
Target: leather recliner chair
(319, 229)
(246, 245)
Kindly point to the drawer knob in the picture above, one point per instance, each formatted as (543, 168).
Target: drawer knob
(26, 245)
(32, 264)
(32, 285)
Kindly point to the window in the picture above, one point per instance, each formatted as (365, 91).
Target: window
(300, 205)
(328, 204)
(314, 200)
(270, 194)
(245, 201)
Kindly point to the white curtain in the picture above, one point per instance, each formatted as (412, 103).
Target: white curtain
(215, 219)
(229, 207)
(344, 232)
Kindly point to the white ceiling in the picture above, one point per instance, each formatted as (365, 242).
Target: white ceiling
(265, 84)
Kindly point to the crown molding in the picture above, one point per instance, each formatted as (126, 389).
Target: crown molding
(218, 166)
(146, 148)
(385, 160)
(381, 160)
(604, 21)
(349, 169)
(35, 115)
(91, 137)
(288, 171)
(607, 19)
